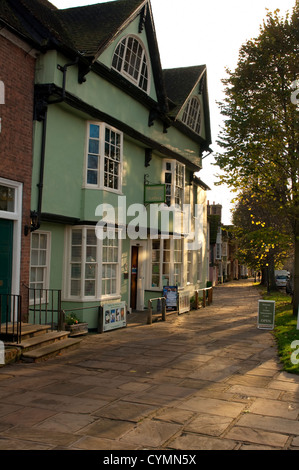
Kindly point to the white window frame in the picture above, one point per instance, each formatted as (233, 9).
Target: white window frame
(190, 267)
(46, 267)
(101, 156)
(171, 167)
(199, 270)
(99, 296)
(16, 216)
(170, 261)
(192, 116)
(120, 66)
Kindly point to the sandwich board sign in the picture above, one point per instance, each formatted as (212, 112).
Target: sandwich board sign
(266, 314)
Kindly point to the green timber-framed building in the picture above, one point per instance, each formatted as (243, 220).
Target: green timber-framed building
(109, 124)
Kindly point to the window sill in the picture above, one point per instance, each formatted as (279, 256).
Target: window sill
(100, 188)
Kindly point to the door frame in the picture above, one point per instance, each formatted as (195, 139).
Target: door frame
(16, 217)
(142, 245)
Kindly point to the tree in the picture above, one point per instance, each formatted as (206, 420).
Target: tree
(264, 239)
(260, 136)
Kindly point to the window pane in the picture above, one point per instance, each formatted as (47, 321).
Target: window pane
(34, 240)
(92, 177)
(76, 271)
(90, 288)
(34, 257)
(77, 237)
(94, 131)
(76, 253)
(75, 288)
(93, 146)
(43, 241)
(91, 253)
(7, 199)
(42, 257)
(93, 162)
(91, 237)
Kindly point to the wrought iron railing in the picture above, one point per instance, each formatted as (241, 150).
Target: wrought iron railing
(11, 317)
(44, 307)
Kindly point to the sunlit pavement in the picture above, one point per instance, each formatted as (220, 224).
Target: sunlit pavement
(208, 379)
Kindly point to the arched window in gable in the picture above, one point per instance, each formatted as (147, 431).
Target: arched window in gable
(131, 61)
(192, 114)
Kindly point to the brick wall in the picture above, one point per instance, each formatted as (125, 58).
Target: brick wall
(17, 73)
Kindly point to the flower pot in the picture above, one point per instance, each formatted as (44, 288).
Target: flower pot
(77, 329)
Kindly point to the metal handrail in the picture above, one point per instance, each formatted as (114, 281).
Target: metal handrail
(210, 297)
(45, 305)
(11, 309)
(150, 309)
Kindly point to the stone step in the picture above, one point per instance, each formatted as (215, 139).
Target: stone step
(51, 350)
(42, 340)
(27, 330)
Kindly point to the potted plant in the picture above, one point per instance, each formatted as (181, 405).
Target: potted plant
(74, 326)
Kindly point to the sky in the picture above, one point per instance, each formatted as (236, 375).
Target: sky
(196, 32)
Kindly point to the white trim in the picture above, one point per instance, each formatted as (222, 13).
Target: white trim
(127, 75)
(173, 164)
(101, 156)
(171, 263)
(46, 281)
(98, 279)
(16, 217)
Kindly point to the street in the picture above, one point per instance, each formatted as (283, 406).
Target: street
(205, 380)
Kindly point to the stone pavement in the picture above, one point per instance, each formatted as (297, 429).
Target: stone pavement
(208, 379)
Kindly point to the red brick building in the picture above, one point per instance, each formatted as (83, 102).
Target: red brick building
(17, 61)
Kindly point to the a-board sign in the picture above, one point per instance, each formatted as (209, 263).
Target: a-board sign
(112, 316)
(184, 302)
(266, 314)
(171, 295)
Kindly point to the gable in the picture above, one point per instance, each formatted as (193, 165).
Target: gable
(132, 31)
(96, 30)
(187, 92)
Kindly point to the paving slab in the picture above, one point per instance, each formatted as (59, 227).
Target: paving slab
(205, 380)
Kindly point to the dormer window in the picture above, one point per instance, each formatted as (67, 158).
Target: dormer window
(192, 115)
(130, 60)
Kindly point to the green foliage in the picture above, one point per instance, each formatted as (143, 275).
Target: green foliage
(262, 239)
(285, 331)
(71, 319)
(260, 136)
(261, 131)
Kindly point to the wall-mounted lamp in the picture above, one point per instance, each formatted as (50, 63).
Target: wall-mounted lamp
(34, 223)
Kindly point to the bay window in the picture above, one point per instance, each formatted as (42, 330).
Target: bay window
(94, 265)
(166, 262)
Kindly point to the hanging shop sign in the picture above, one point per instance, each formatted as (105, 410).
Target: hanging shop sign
(154, 193)
(266, 314)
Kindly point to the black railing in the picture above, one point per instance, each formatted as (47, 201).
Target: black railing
(45, 307)
(10, 316)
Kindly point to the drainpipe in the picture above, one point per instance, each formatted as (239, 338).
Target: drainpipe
(44, 133)
(63, 69)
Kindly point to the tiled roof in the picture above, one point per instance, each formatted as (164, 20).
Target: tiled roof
(91, 27)
(179, 82)
(35, 20)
